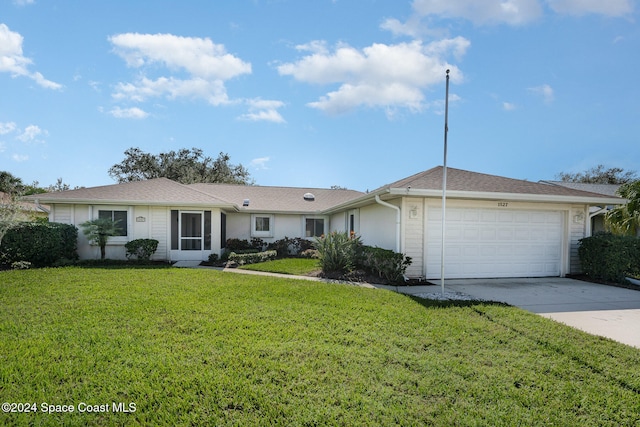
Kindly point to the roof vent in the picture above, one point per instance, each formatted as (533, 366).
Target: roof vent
(309, 197)
(245, 202)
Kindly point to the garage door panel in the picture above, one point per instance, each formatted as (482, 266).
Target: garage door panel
(495, 243)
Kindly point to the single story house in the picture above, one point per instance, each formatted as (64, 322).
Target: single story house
(495, 226)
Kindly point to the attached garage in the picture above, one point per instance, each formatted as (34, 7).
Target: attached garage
(499, 242)
(495, 226)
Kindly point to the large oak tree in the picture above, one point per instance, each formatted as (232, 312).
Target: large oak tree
(185, 166)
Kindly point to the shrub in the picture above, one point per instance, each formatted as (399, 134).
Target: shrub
(252, 258)
(21, 265)
(41, 244)
(142, 249)
(235, 245)
(310, 253)
(287, 246)
(338, 252)
(609, 257)
(385, 263)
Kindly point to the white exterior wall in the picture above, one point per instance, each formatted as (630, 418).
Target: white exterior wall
(378, 225)
(159, 230)
(239, 226)
(578, 217)
(338, 222)
(413, 220)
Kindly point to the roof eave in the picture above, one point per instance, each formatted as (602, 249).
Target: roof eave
(80, 201)
(521, 197)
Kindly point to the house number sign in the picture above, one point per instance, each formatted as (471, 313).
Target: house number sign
(503, 204)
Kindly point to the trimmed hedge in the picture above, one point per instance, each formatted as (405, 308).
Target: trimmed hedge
(610, 257)
(43, 244)
(386, 263)
(142, 249)
(252, 258)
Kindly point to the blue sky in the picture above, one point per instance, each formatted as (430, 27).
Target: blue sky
(320, 93)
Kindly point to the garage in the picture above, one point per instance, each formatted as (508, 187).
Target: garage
(495, 242)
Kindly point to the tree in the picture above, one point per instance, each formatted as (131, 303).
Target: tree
(185, 166)
(11, 188)
(625, 219)
(599, 175)
(99, 230)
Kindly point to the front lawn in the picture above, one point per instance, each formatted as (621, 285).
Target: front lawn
(295, 266)
(202, 347)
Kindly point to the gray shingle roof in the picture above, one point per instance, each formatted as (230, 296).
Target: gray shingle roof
(462, 180)
(278, 199)
(159, 191)
(606, 189)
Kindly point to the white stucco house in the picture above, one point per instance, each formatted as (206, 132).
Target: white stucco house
(495, 226)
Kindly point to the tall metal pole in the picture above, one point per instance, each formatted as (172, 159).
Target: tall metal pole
(444, 182)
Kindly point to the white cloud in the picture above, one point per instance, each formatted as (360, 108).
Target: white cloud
(128, 113)
(260, 163)
(23, 2)
(31, 134)
(512, 12)
(20, 158)
(7, 127)
(14, 62)
(508, 106)
(207, 65)
(600, 7)
(263, 110)
(377, 76)
(545, 91)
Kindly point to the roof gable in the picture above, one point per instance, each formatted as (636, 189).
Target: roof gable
(462, 180)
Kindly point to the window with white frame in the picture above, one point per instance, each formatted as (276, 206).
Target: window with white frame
(262, 225)
(119, 216)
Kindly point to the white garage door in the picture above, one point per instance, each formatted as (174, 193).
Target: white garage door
(485, 243)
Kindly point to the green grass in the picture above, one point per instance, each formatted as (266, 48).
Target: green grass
(295, 266)
(202, 347)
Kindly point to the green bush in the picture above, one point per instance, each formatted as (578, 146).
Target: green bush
(142, 249)
(385, 263)
(609, 257)
(41, 244)
(338, 252)
(288, 246)
(252, 258)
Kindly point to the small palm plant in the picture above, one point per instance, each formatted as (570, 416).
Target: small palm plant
(99, 230)
(625, 219)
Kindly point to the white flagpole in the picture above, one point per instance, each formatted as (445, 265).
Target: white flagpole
(444, 181)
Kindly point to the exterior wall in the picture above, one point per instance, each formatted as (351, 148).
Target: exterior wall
(413, 220)
(239, 226)
(144, 222)
(578, 218)
(159, 230)
(338, 222)
(378, 225)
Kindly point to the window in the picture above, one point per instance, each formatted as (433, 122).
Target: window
(262, 225)
(119, 216)
(314, 227)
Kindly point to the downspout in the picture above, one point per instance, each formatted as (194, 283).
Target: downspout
(42, 208)
(389, 205)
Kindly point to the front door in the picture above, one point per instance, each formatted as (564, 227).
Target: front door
(189, 238)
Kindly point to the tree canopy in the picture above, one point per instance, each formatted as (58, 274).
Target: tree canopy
(599, 175)
(185, 166)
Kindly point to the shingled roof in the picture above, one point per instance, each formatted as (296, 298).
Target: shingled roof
(278, 199)
(462, 180)
(159, 191)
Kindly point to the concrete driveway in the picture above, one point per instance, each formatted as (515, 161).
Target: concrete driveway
(598, 309)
